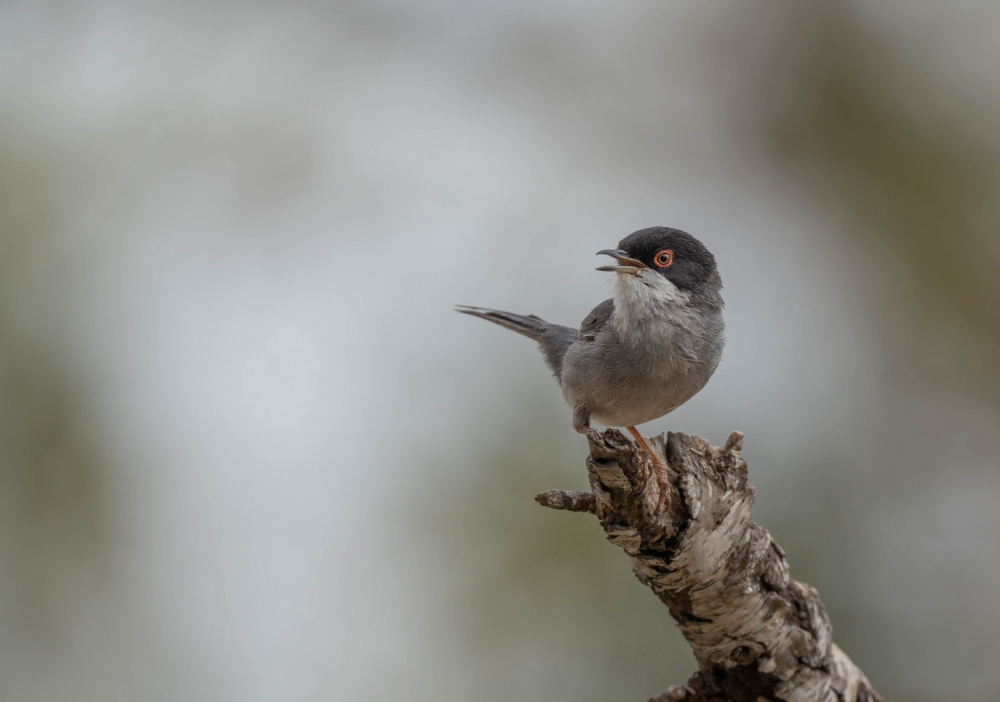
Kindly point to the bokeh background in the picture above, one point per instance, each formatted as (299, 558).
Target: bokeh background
(248, 452)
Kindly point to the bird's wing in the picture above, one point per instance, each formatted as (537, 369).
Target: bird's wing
(595, 322)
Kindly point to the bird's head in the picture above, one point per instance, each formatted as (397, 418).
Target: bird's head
(670, 260)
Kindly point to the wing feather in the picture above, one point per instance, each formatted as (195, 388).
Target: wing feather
(594, 323)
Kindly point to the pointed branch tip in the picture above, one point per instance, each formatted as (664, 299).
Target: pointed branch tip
(734, 442)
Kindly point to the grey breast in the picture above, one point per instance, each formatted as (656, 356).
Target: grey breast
(623, 379)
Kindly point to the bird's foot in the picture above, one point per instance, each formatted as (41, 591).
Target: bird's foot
(659, 470)
(663, 481)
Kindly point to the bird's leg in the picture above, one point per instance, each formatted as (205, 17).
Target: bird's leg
(659, 467)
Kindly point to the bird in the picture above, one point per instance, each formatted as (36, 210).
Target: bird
(643, 352)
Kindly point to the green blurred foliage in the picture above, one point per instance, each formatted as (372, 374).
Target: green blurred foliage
(904, 159)
(54, 506)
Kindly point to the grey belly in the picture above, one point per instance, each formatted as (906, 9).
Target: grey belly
(621, 405)
(624, 389)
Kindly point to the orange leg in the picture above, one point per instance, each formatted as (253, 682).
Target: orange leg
(659, 467)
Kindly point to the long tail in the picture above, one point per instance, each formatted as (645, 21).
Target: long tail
(553, 339)
(529, 325)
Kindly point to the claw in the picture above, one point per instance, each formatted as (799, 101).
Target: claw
(659, 469)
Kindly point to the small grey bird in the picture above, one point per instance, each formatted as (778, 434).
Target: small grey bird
(647, 350)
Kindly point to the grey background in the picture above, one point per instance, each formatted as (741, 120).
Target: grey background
(248, 452)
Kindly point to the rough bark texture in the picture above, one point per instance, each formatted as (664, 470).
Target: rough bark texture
(756, 633)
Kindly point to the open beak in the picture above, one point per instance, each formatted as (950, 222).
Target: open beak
(628, 265)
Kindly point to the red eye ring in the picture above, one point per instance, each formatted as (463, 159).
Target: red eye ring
(664, 259)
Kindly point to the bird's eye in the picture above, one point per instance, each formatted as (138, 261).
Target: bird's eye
(664, 259)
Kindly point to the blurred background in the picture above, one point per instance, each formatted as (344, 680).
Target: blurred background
(247, 450)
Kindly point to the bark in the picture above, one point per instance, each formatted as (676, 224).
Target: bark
(757, 634)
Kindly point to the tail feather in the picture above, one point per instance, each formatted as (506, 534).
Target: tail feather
(529, 325)
(553, 339)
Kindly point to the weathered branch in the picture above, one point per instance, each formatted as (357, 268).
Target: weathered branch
(569, 500)
(756, 633)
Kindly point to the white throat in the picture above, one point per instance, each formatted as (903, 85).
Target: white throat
(646, 300)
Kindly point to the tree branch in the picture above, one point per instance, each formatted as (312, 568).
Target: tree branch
(756, 633)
